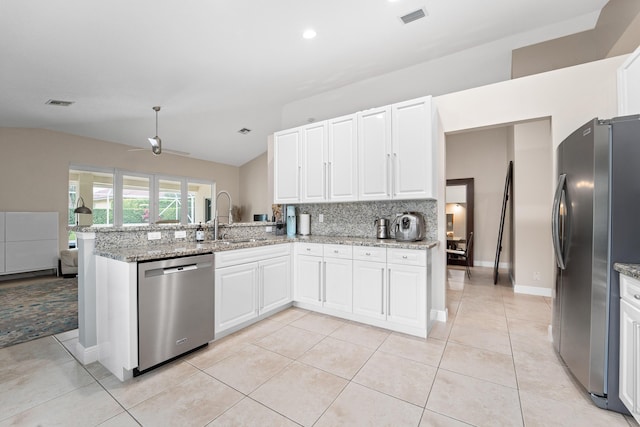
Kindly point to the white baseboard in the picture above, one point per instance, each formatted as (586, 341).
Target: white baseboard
(440, 315)
(532, 290)
(86, 355)
(501, 265)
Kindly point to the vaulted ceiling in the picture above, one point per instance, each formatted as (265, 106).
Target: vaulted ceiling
(218, 66)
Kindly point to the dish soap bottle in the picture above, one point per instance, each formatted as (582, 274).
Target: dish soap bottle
(199, 233)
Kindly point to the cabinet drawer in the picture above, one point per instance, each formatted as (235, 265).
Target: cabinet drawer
(370, 253)
(630, 290)
(244, 256)
(407, 257)
(314, 249)
(338, 251)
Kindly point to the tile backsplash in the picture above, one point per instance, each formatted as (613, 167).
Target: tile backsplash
(356, 219)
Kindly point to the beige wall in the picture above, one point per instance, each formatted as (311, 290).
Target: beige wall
(254, 194)
(533, 178)
(482, 155)
(34, 168)
(617, 32)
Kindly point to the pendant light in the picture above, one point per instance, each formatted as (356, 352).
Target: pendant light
(156, 142)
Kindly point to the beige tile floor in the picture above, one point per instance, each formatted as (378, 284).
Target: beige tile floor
(491, 364)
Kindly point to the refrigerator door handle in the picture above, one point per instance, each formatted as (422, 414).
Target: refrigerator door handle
(555, 221)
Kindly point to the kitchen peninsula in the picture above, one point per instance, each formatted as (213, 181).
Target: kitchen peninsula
(379, 282)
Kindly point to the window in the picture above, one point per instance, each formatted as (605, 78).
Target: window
(95, 189)
(128, 198)
(199, 202)
(136, 204)
(169, 200)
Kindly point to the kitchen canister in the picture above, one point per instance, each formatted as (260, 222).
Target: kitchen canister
(304, 226)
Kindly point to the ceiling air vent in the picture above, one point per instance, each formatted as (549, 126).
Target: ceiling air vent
(413, 16)
(244, 131)
(59, 103)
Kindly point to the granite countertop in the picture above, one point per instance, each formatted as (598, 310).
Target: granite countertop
(156, 251)
(631, 270)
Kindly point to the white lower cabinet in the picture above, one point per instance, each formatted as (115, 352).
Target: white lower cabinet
(249, 283)
(236, 298)
(630, 345)
(275, 283)
(338, 278)
(407, 295)
(369, 289)
(324, 276)
(308, 271)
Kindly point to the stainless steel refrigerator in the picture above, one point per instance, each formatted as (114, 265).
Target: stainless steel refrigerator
(595, 223)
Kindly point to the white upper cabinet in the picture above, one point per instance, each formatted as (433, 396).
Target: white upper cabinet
(412, 149)
(378, 154)
(342, 180)
(374, 154)
(314, 162)
(286, 166)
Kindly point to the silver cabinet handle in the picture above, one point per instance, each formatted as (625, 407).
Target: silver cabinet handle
(394, 165)
(308, 249)
(320, 282)
(637, 296)
(389, 292)
(382, 291)
(367, 253)
(335, 251)
(389, 174)
(329, 168)
(325, 180)
(404, 257)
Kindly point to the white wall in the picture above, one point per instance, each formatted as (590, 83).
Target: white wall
(534, 271)
(482, 155)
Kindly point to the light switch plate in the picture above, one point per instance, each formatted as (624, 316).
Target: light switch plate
(180, 234)
(268, 229)
(321, 218)
(154, 235)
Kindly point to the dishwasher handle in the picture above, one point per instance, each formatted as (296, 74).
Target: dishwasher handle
(180, 269)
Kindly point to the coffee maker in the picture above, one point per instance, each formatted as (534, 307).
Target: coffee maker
(291, 221)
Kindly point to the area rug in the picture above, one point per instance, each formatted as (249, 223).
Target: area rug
(37, 310)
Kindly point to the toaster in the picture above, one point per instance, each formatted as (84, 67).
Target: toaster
(409, 227)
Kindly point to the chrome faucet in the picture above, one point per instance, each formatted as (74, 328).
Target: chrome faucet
(215, 217)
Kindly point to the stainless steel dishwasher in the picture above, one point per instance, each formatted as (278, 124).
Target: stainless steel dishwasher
(175, 308)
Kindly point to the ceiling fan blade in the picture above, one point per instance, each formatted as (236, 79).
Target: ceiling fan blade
(164, 151)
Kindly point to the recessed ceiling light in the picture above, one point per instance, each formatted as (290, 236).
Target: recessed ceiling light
(309, 34)
(59, 103)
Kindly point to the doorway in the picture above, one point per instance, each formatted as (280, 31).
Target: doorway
(459, 210)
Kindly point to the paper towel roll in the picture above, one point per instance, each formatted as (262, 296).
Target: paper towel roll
(304, 227)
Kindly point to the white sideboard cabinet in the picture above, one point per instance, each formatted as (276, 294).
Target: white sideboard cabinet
(29, 241)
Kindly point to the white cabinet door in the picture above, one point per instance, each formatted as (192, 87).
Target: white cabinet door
(374, 151)
(314, 162)
(629, 357)
(275, 283)
(343, 159)
(412, 149)
(309, 279)
(338, 288)
(369, 289)
(407, 295)
(286, 166)
(236, 297)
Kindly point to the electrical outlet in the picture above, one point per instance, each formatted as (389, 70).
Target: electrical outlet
(268, 229)
(154, 235)
(536, 276)
(321, 218)
(181, 234)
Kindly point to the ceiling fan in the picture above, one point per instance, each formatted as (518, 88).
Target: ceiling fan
(156, 142)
